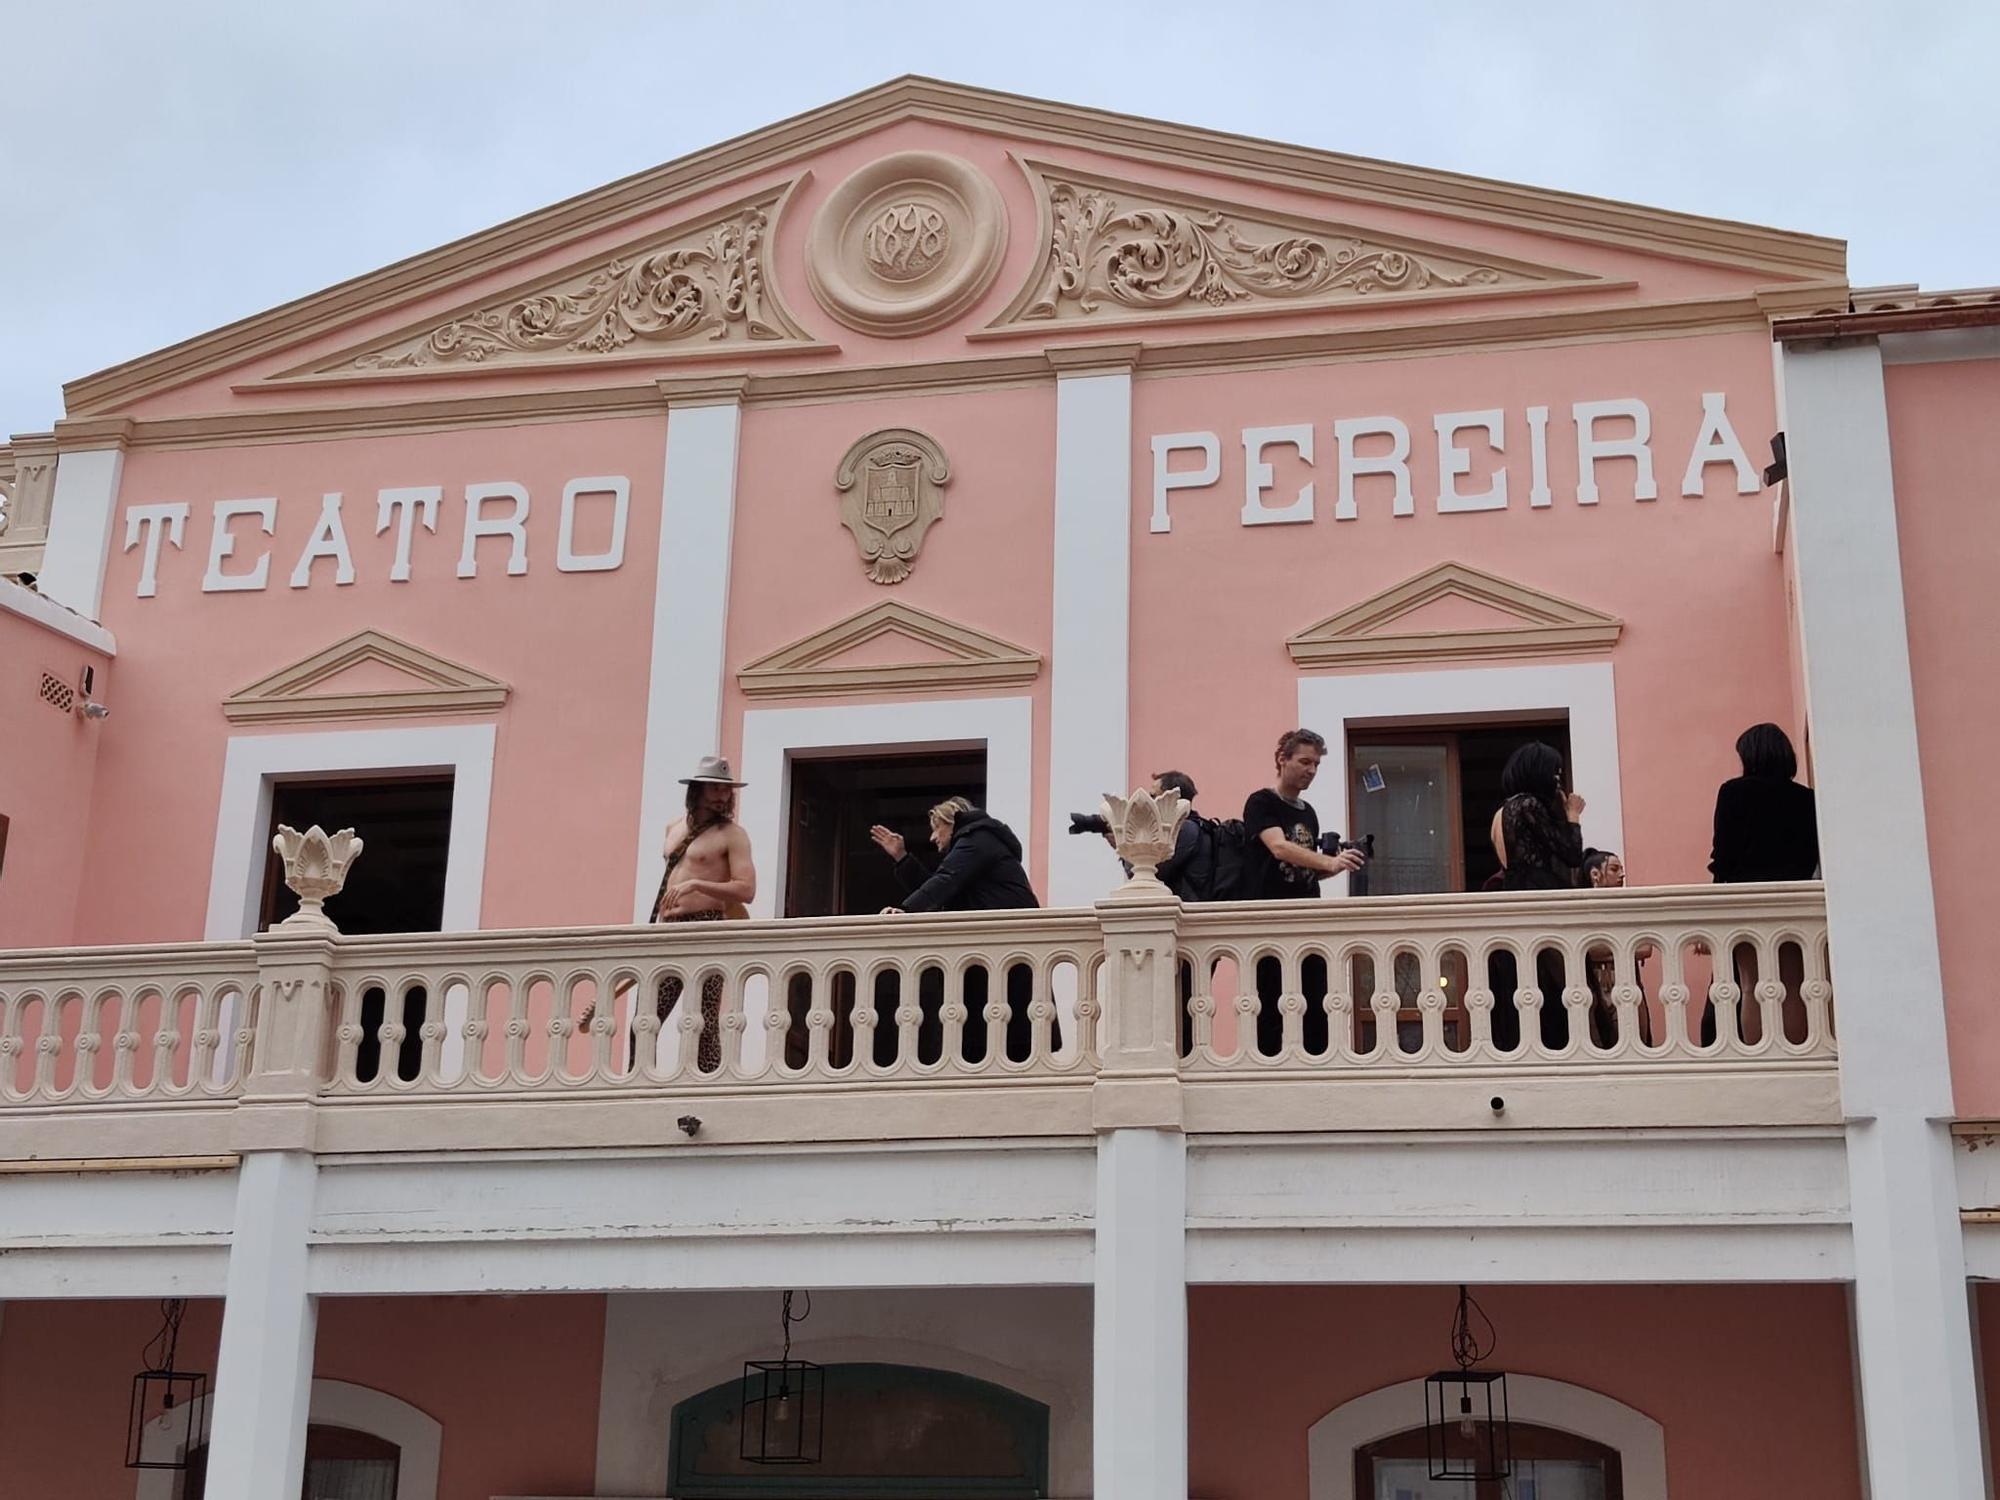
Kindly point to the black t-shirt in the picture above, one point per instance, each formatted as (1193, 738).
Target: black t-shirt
(1267, 878)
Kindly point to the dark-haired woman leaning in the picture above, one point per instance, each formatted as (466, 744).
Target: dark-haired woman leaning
(1537, 835)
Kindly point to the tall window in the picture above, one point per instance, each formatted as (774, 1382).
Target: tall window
(1428, 794)
(1548, 1465)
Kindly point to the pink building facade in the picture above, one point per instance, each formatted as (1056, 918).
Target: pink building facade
(939, 441)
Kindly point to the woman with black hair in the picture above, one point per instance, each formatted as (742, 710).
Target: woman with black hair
(1766, 827)
(1537, 832)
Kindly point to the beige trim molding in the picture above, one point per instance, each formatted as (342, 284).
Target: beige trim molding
(691, 290)
(810, 668)
(1115, 252)
(27, 486)
(1364, 634)
(1780, 254)
(438, 686)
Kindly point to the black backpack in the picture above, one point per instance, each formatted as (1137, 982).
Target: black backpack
(1218, 869)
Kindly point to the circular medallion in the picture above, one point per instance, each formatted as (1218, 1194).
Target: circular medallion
(906, 243)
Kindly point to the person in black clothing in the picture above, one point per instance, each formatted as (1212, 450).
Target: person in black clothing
(1188, 870)
(981, 871)
(1766, 827)
(1539, 838)
(1282, 862)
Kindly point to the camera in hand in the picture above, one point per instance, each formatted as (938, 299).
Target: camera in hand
(1333, 844)
(1088, 823)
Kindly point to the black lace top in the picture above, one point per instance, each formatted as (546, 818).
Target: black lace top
(1544, 849)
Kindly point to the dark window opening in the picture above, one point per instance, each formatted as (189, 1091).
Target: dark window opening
(397, 885)
(832, 868)
(1548, 1463)
(1428, 795)
(341, 1464)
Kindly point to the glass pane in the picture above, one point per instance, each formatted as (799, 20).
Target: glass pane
(350, 1479)
(1534, 1479)
(1402, 798)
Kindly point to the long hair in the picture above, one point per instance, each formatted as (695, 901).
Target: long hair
(1290, 742)
(1766, 750)
(697, 818)
(1535, 770)
(947, 812)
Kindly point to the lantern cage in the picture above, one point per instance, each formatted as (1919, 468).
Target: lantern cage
(1466, 1431)
(175, 1394)
(784, 1411)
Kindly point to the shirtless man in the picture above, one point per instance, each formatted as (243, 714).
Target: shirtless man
(709, 878)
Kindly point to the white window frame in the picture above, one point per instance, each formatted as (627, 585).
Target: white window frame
(419, 1438)
(774, 737)
(1586, 692)
(1640, 1442)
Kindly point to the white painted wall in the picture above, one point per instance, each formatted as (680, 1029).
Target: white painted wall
(690, 617)
(79, 543)
(1089, 662)
(661, 1348)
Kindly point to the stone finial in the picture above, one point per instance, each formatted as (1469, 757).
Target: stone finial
(1144, 827)
(316, 865)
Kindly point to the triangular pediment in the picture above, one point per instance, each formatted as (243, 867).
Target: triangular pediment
(530, 293)
(1451, 612)
(369, 675)
(1114, 251)
(700, 288)
(888, 648)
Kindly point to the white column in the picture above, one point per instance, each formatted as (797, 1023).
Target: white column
(263, 1375)
(80, 514)
(690, 618)
(1139, 1417)
(1914, 1332)
(1088, 697)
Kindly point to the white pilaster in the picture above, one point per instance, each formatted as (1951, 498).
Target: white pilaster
(263, 1375)
(1139, 1368)
(1088, 697)
(79, 544)
(690, 619)
(1914, 1332)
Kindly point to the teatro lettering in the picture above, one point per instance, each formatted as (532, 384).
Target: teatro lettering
(239, 561)
(1388, 444)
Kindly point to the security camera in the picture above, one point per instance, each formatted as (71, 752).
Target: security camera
(95, 710)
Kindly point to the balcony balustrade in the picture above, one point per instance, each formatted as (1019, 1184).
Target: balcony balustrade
(1697, 1005)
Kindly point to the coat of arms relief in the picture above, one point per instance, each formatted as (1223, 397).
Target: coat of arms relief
(891, 487)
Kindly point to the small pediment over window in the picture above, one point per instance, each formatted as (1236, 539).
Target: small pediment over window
(366, 676)
(1451, 612)
(888, 648)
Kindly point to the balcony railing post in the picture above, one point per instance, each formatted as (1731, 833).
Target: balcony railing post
(1139, 1036)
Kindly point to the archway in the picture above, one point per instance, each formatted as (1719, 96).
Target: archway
(335, 1403)
(1641, 1442)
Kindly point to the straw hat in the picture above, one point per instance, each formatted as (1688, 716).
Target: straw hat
(714, 771)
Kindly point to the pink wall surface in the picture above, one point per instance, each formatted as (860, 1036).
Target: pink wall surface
(66, 1379)
(573, 646)
(986, 564)
(1751, 1383)
(48, 772)
(1704, 652)
(1946, 459)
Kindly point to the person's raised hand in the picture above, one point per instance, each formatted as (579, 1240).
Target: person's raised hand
(891, 844)
(1573, 805)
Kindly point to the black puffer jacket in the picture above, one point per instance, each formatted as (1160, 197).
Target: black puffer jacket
(981, 871)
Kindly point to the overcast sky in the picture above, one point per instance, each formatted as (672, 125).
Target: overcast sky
(169, 166)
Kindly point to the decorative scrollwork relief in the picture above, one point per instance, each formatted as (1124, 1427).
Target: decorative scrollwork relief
(704, 285)
(1121, 249)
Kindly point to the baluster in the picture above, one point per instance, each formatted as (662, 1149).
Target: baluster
(1431, 1002)
(1769, 994)
(994, 1015)
(518, 987)
(1724, 995)
(13, 1011)
(909, 1014)
(1627, 996)
(732, 1024)
(1089, 1008)
(1342, 1045)
(1679, 1040)
(1576, 998)
(83, 1071)
(1201, 1000)
(1479, 1005)
(1527, 999)
(646, 1028)
(125, 1044)
(864, 1021)
(1384, 1004)
(1817, 991)
(167, 1040)
(599, 1064)
(1291, 1006)
(1042, 1011)
(819, 1023)
(48, 1046)
(430, 1033)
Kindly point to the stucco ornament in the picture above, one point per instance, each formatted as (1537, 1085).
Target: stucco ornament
(316, 866)
(1144, 827)
(1112, 248)
(891, 487)
(709, 284)
(906, 243)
